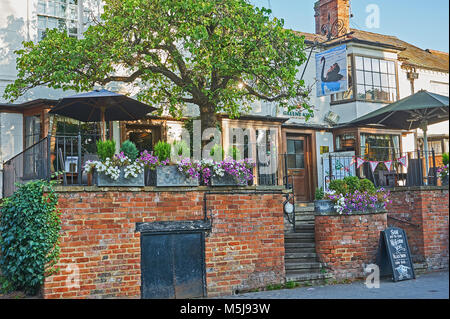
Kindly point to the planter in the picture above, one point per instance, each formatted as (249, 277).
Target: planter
(226, 180)
(444, 180)
(323, 206)
(170, 176)
(101, 179)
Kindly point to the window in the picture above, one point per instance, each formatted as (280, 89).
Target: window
(347, 95)
(375, 79)
(346, 142)
(380, 147)
(57, 14)
(32, 130)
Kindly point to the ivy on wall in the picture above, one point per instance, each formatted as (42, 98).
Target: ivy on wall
(29, 236)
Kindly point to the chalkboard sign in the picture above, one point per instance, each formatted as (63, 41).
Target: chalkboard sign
(394, 256)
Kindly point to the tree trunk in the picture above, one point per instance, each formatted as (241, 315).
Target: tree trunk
(208, 118)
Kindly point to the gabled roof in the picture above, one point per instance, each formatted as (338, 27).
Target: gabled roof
(408, 53)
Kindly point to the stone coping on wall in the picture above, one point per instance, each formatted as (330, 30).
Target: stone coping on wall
(417, 188)
(336, 214)
(207, 189)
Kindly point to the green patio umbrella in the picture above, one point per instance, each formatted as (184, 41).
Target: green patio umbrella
(415, 111)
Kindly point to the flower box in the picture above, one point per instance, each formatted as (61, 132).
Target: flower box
(323, 206)
(226, 180)
(101, 179)
(167, 176)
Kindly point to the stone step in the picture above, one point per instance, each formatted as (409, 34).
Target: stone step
(300, 219)
(313, 277)
(304, 227)
(302, 265)
(299, 245)
(299, 235)
(300, 255)
(302, 250)
(289, 261)
(299, 240)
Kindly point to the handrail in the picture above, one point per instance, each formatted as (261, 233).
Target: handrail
(28, 148)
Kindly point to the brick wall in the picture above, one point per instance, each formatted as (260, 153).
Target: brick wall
(423, 213)
(346, 243)
(245, 248)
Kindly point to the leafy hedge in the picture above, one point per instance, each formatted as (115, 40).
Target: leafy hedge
(29, 235)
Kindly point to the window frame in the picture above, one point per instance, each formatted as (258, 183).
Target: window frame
(355, 97)
(69, 22)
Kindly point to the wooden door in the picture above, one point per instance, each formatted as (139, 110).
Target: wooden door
(297, 164)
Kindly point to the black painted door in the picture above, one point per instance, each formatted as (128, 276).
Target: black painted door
(172, 265)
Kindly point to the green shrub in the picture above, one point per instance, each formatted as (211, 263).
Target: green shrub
(29, 236)
(217, 152)
(445, 158)
(162, 151)
(106, 149)
(367, 186)
(130, 150)
(234, 152)
(339, 186)
(353, 183)
(180, 148)
(319, 193)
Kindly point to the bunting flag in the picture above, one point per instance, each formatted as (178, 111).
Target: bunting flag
(373, 165)
(359, 162)
(404, 161)
(388, 165)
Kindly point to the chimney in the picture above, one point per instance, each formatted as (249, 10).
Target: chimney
(327, 12)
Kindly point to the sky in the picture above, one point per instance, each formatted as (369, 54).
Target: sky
(414, 21)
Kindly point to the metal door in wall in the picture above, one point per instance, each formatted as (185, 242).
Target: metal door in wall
(172, 265)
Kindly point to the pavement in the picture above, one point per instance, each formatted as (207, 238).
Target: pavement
(426, 286)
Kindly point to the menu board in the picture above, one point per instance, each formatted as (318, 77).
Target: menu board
(394, 256)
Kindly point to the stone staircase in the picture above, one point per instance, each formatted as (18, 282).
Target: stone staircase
(301, 262)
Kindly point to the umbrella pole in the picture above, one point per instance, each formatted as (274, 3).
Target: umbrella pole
(425, 147)
(103, 124)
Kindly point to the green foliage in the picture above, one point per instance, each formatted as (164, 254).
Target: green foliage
(234, 152)
(217, 152)
(162, 151)
(352, 183)
(180, 148)
(319, 193)
(222, 55)
(339, 186)
(445, 158)
(367, 186)
(29, 236)
(106, 149)
(130, 150)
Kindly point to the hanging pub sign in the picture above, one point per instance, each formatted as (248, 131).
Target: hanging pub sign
(394, 256)
(331, 71)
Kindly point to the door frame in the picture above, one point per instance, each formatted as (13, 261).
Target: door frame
(310, 155)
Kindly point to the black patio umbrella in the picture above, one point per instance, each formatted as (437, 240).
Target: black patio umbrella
(415, 111)
(101, 106)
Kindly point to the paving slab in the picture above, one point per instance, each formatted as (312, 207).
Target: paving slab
(426, 286)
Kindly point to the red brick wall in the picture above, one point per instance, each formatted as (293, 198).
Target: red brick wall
(346, 243)
(244, 250)
(336, 9)
(426, 209)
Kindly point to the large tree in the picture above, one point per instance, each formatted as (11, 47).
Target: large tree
(221, 55)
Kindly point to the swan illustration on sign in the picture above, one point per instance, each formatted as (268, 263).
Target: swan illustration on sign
(335, 79)
(397, 244)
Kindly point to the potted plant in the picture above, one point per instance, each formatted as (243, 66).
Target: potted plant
(443, 171)
(231, 172)
(115, 169)
(170, 175)
(322, 204)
